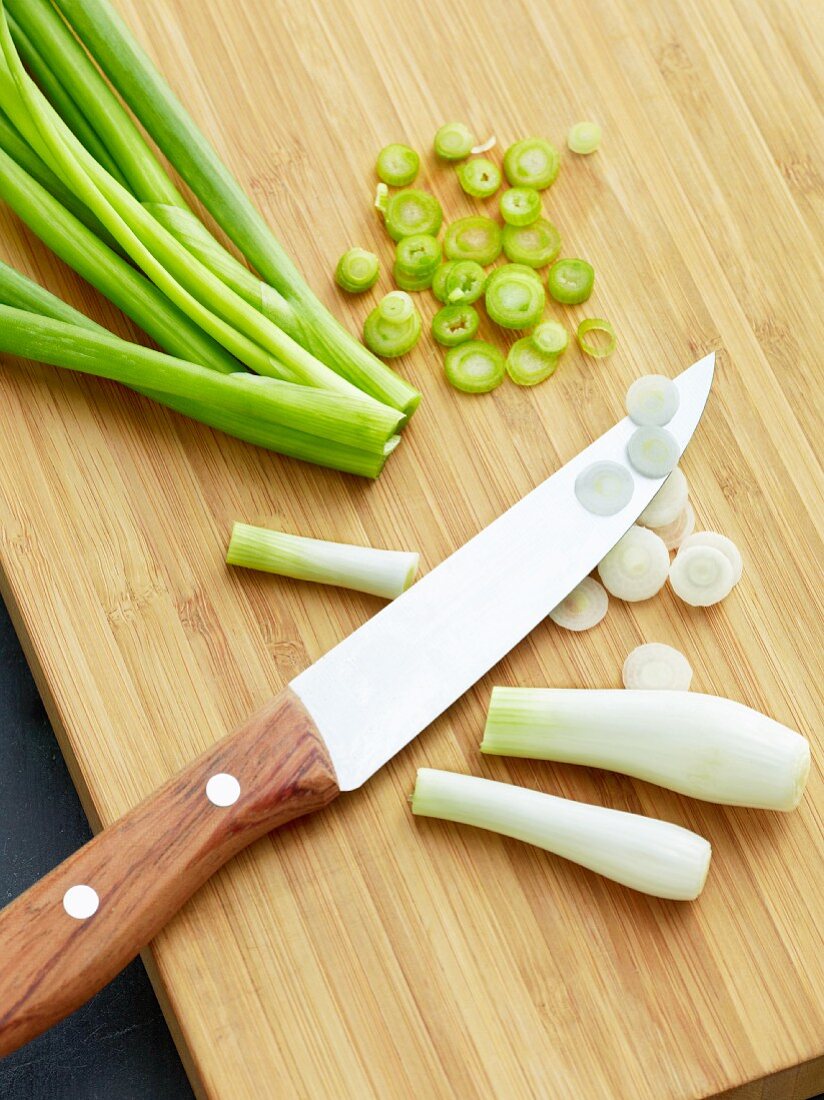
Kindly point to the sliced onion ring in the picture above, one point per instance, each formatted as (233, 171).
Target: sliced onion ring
(652, 400)
(583, 608)
(604, 488)
(722, 543)
(656, 667)
(674, 534)
(701, 575)
(668, 503)
(597, 349)
(653, 452)
(636, 568)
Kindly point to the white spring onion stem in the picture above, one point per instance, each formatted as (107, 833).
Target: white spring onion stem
(722, 543)
(652, 451)
(363, 568)
(656, 667)
(699, 745)
(636, 567)
(701, 575)
(652, 856)
(674, 534)
(583, 608)
(485, 146)
(652, 401)
(668, 503)
(604, 488)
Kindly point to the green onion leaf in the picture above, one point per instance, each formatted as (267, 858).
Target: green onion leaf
(453, 325)
(514, 300)
(536, 244)
(473, 238)
(520, 205)
(479, 177)
(532, 162)
(527, 365)
(598, 348)
(397, 165)
(417, 258)
(357, 270)
(454, 141)
(475, 367)
(571, 281)
(412, 213)
(394, 325)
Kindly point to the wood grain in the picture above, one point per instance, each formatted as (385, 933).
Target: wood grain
(365, 954)
(147, 864)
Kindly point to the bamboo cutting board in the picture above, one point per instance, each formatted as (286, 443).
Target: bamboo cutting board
(362, 953)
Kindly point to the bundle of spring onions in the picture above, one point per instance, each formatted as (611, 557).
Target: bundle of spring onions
(76, 168)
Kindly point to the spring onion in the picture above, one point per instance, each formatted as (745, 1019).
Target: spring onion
(536, 244)
(410, 213)
(416, 260)
(520, 205)
(583, 608)
(656, 667)
(385, 573)
(474, 367)
(699, 745)
(653, 451)
(532, 162)
(652, 400)
(381, 197)
(473, 238)
(479, 177)
(394, 325)
(584, 137)
(485, 146)
(439, 280)
(701, 575)
(462, 282)
(604, 488)
(132, 74)
(397, 165)
(357, 270)
(527, 365)
(675, 534)
(514, 300)
(455, 324)
(454, 141)
(652, 856)
(551, 337)
(722, 543)
(636, 568)
(598, 348)
(668, 503)
(571, 281)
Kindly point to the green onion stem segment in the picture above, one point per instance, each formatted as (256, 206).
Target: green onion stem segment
(527, 365)
(532, 162)
(385, 573)
(662, 738)
(520, 205)
(357, 270)
(397, 165)
(597, 348)
(416, 260)
(584, 137)
(536, 244)
(412, 213)
(479, 177)
(513, 299)
(381, 197)
(394, 325)
(453, 325)
(646, 854)
(131, 72)
(473, 238)
(459, 282)
(551, 337)
(475, 367)
(454, 141)
(571, 281)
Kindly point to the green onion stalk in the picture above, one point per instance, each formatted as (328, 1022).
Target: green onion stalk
(133, 75)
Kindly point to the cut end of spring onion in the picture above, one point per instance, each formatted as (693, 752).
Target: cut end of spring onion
(479, 178)
(655, 857)
(520, 206)
(652, 401)
(417, 258)
(473, 238)
(385, 573)
(604, 488)
(485, 146)
(653, 452)
(535, 245)
(393, 327)
(551, 337)
(357, 270)
(571, 281)
(583, 608)
(636, 568)
(668, 503)
(674, 534)
(455, 324)
(699, 745)
(464, 282)
(656, 667)
(475, 367)
(397, 165)
(584, 137)
(532, 162)
(722, 543)
(527, 365)
(701, 575)
(412, 212)
(381, 197)
(454, 141)
(514, 300)
(596, 337)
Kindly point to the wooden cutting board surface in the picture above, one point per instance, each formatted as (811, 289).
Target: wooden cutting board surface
(363, 953)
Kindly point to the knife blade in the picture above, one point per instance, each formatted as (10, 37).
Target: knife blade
(329, 731)
(376, 690)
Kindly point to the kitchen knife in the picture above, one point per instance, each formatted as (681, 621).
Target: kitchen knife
(334, 726)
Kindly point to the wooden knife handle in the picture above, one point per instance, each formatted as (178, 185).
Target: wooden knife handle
(128, 882)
